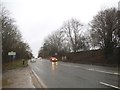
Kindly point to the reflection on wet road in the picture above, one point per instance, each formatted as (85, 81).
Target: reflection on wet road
(54, 65)
(69, 75)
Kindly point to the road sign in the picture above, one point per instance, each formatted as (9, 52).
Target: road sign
(11, 53)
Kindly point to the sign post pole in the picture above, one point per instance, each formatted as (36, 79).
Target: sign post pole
(12, 55)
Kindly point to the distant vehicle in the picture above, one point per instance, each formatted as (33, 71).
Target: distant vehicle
(53, 59)
(40, 58)
(33, 60)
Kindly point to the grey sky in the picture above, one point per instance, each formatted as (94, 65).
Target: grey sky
(36, 19)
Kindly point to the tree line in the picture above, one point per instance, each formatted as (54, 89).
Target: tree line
(103, 34)
(12, 38)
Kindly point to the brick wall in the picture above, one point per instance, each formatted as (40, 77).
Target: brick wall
(93, 57)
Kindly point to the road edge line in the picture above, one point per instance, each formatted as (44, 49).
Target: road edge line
(109, 85)
(95, 70)
(39, 80)
(31, 81)
(113, 73)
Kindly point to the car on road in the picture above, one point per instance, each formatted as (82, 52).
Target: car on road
(53, 59)
(40, 58)
(33, 60)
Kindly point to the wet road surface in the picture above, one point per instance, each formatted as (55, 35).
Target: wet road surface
(70, 75)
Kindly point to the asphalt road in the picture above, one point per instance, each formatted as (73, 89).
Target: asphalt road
(70, 75)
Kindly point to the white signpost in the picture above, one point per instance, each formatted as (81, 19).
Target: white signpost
(12, 54)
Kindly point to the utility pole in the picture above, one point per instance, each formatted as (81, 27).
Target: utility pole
(0, 54)
(118, 16)
(118, 36)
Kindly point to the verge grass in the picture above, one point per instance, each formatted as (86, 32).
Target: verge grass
(14, 64)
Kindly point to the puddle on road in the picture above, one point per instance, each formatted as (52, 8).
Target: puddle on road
(54, 65)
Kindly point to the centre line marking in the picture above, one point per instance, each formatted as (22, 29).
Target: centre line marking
(106, 84)
(93, 69)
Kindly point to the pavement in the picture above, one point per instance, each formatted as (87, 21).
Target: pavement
(45, 74)
(19, 78)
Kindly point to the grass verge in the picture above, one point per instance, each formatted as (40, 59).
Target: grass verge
(14, 64)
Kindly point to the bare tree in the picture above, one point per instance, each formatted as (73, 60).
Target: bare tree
(67, 39)
(11, 37)
(53, 44)
(72, 30)
(104, 29)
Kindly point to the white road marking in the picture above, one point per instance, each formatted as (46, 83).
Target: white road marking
(107, 72)
(92, 69)
(41, 82)
(117, 73)
(106, 84)
(31, 82)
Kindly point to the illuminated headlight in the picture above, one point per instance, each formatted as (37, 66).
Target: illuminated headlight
(52, 59)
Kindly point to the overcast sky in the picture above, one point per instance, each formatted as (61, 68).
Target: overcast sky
(36, 19)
